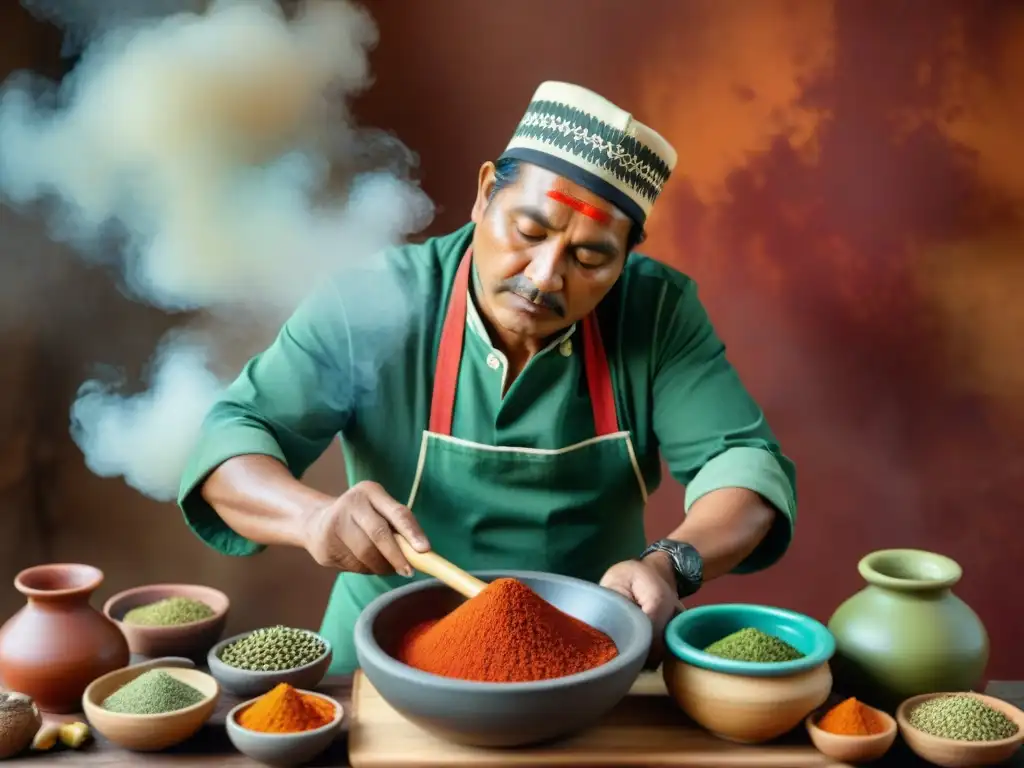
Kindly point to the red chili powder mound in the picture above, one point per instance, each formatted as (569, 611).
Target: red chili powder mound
(506, 634)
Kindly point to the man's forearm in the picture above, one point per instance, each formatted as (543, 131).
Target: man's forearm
(724, 526)
(259, 499)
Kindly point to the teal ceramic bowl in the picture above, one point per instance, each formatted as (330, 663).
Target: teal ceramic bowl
(697, 628)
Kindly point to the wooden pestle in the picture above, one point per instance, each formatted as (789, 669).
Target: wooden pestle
(444, 571)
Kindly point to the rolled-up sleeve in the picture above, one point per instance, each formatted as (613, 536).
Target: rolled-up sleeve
(288, 402)
(711, 432)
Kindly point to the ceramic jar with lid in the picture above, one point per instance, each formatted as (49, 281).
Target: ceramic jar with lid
(906, 633)
(58, 642)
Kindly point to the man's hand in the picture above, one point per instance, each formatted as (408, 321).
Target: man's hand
(356, 532)
(644, 584)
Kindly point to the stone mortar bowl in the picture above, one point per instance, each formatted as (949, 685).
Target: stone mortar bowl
(502, 714)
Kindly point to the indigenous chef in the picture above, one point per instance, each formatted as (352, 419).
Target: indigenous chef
(522, 424)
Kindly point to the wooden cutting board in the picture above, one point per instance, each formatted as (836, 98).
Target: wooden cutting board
(644, 729)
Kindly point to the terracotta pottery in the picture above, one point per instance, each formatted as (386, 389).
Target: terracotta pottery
(150, 733)
(906, 633)
(58, 643)
(850, 748)
(954, 753)
(744, 709)
(191, 640)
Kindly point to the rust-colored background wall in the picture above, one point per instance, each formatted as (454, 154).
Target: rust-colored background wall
(849, 196)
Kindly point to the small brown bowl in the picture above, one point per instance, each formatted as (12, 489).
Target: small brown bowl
(149, 733)
(741, 708)
(852, 749)
(953, 753)
(191, 640)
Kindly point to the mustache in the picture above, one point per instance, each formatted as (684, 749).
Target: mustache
(521, 286)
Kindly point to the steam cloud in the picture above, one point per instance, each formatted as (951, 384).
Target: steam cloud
(212, 153)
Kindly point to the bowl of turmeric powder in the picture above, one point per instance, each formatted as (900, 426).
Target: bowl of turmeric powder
(532, 658)
(284, 727)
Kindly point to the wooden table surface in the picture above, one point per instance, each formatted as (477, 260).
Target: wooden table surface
(210, 747)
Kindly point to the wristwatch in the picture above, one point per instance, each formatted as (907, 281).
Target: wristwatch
(687, 564)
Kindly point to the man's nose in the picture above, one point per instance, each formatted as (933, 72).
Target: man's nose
(545, 269)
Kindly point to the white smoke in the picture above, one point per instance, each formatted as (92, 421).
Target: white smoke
(84, 20)
(216, 151)
(146, 438)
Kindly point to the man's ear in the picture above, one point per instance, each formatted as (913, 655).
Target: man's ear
(484, 188)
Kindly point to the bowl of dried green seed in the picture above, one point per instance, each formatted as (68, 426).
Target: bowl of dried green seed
(957, 730)
(747, 673)
(254, 662)
(169, 619)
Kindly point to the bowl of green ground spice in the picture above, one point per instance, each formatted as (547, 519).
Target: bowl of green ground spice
(748, 673)
(253, 663)
(958, 730)
(150, 706)
(170, 619)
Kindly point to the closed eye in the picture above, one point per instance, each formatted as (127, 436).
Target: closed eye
(590, 259)
(530, 231)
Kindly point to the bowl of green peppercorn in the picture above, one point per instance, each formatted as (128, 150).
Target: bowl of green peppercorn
(747, 673)
(961, 729)
(169, 619)
(253, 662)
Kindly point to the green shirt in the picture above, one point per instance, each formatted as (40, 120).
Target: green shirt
(332, 372)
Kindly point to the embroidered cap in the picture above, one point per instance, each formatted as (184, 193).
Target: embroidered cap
(582, 136)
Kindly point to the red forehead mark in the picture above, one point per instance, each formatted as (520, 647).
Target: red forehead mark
(597, 214)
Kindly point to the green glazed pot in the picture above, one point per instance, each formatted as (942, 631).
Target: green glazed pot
(906, 633)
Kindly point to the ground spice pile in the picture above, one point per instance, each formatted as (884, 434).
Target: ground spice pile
(753, 645)
(171, 611)
(286, 710)
(851, 718)
(152, 693)
(506, 634)
(964, 718)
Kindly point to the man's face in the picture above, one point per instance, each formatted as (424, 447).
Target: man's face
(546, 251)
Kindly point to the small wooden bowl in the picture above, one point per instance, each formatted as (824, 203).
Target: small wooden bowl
(852, 749)
(746, 710)
(742, 701)
(149, 733)
(191, 640)
(953, 753)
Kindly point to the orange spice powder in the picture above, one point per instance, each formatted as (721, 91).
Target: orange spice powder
(851, 718)
(286, 710)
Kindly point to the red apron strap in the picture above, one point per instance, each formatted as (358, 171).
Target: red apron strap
(449, 360)
(449, 353)
(599, 378)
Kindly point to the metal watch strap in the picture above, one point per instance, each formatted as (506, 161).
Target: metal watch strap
(687, 564)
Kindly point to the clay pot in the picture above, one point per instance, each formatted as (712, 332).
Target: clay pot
(906, 633)
(58, 643)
